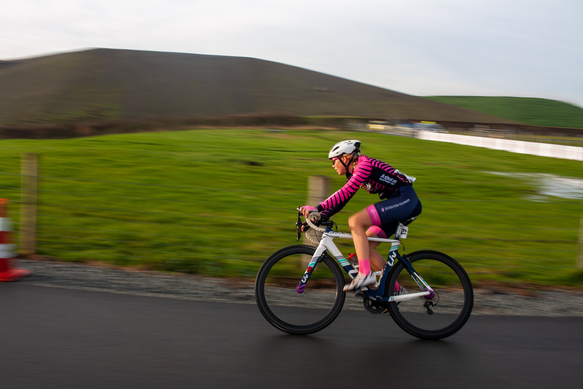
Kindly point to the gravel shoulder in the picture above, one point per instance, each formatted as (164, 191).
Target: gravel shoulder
(552, 303)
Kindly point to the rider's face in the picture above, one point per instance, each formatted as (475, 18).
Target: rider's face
(338, 166)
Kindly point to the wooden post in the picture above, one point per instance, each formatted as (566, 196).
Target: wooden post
(317, 189)
(28, 206)
(317, 192)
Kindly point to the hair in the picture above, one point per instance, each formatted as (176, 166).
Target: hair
(355, 156)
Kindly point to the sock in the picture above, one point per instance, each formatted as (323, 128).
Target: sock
(397, 286)
(364, 266)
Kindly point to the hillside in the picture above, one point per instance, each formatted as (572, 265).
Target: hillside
(534, 111)
(112, 84)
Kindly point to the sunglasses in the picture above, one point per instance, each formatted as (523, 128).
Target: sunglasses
(334, 161)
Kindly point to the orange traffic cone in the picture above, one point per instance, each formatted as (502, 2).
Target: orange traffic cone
(7, 248)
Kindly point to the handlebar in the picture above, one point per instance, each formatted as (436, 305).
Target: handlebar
(316, 217)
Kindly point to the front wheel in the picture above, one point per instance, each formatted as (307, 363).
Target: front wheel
(289, 310)
(441, 314)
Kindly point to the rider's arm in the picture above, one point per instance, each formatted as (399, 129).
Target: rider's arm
(328, 213)
(337, 201)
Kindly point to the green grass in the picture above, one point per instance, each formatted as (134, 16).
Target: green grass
(534, 111)
(218, 202)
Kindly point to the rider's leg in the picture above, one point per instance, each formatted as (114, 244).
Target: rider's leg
(358, 224)
(377, 262)
(376, 259)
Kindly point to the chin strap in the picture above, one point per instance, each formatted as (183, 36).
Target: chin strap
(348, 175)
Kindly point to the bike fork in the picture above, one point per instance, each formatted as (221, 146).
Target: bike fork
(311, 266)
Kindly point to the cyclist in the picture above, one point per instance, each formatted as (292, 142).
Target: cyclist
(399, 204)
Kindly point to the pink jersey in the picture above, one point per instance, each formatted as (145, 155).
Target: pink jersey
(371, 174)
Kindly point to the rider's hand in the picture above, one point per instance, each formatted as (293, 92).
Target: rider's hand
(306, 209)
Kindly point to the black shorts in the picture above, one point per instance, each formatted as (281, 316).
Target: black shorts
(387, 214)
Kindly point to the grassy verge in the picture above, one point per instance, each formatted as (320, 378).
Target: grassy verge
(217, 202)
(534, 111)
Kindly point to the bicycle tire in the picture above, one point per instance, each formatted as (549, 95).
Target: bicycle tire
(453, 301)
(293, 312)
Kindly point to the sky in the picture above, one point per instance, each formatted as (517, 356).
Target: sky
(524, 48)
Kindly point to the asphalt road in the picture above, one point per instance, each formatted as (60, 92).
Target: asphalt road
(63, 338)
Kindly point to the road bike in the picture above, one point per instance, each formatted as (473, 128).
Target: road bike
(427, 293)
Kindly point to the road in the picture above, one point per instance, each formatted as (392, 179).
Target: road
(63, 338)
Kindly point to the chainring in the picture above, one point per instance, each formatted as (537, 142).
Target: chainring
(374, 307)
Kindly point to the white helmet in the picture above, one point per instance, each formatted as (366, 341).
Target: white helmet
(344, 147)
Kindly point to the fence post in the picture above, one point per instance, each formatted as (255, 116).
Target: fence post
(317, 192)
(28, 206)
(317, 189)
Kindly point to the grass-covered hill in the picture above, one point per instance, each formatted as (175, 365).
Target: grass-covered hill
(125, 84)
(534, 111)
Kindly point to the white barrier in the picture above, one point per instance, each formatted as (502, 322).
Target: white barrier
(514, 146)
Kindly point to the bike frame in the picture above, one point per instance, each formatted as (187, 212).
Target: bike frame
(327, 245)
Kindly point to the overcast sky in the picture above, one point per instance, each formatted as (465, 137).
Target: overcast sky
(526, 48)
